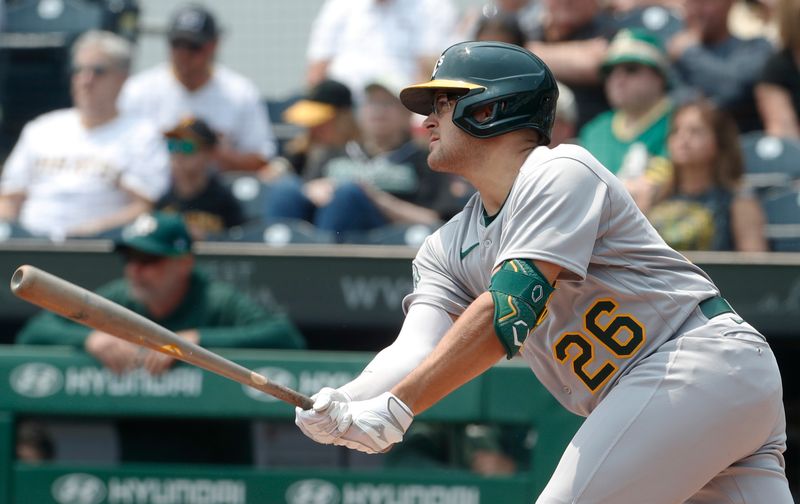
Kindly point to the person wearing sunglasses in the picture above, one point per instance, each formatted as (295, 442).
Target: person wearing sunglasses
(193, 84)
(207, 206)
(88, 169)
(631, 138)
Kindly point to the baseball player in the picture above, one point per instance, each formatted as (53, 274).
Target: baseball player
(551, 261)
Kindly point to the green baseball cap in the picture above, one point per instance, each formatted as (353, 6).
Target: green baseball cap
(636, 45)
(158, 233)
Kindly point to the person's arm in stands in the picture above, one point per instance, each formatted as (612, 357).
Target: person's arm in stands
(10, 205)
(747, 224)
(137, 206)
(398, 210)
(776, 110)
(573, 62)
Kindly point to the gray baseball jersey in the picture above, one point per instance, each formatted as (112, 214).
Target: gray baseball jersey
(622, 292)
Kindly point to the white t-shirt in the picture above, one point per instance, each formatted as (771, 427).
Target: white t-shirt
(70, 175)
(366, 39)
(622, 291)
(228, 102)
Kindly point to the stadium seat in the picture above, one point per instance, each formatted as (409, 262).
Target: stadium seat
(249, 190)
(284, 131)
(771, 163)
(783, 220)
(395, 234)
(279, 232)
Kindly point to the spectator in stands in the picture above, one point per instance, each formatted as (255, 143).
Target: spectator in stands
(207, 206)
(631, 139)
(717, 65)
(192, 84)
(88, 169)
(327, 115)
(503, 27)
(564, 127)
(380, 180)
(162, 283)
(572, 38)
(778, 91)
(707, 208)
(33, 444)
(356, 41)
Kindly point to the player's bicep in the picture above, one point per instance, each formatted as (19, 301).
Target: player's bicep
(520, 289)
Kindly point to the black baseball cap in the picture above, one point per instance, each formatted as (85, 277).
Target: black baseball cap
(193, 23)
(320, 104)
(194, 129)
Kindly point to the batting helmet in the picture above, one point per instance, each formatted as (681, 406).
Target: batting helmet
(516, 82)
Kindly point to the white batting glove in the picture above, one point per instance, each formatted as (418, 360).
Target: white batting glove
(328, 417)
(377, 424)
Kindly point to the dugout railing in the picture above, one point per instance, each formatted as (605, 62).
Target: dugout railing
(50, 382)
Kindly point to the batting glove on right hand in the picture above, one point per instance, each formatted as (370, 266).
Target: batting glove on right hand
(327, 419)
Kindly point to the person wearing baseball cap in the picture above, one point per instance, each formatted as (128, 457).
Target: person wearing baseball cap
(162, 283)
(631, 139)
(196, 192)
(326, 115)
(193, 84)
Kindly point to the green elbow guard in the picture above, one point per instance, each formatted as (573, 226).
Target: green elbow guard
(520, 293)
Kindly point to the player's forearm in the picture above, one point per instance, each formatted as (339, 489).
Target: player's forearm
(468, 349)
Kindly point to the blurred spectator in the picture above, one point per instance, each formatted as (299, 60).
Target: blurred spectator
(192, 84)
(382, 179)
(631, 139)
(572, 38)
(207, 206)
(755, 18)
(502, 27)
(87, 169)
(629, 5)
(162, 283)
(778, 92)
(525, 13)
(356, 41)
(717, 65)
(707, 207)
(33, 444)
(564, 127)
(327, 114)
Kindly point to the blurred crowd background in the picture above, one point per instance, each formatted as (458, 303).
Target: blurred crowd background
(279, 122)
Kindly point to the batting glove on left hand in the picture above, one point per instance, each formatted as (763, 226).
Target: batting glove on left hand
(377, 424)
(328, 417)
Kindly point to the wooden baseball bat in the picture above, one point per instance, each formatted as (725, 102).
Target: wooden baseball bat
(85, 307)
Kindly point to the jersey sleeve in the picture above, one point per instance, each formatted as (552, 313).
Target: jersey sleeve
(555, 214)
(433, 282)
(147, 172)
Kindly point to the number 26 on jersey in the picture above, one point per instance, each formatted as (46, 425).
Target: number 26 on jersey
(621, 334)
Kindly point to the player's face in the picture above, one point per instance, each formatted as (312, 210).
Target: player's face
(96, 79)
(633, 87)
(692, 141)
(449, 146)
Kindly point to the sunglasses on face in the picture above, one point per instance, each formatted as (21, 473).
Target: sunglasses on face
(442, 103)
(630, 68)
(185, 44)
(142, 258)
(96, 70)
(180, 146)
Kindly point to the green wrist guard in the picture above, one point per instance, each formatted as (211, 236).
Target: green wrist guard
(520, 293)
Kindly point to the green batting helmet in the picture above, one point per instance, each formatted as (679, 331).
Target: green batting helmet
(516, 82)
